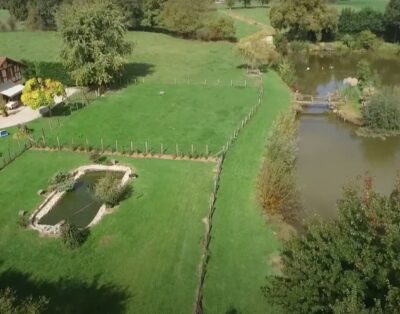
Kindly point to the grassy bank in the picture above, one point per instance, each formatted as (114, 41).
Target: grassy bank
(242, 242)
(143, 258)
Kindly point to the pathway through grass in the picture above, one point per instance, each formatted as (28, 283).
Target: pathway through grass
(241, 239)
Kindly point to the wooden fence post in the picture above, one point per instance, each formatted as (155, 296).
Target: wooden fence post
(102, 145)
(161, 149)
(192, 149)
(58, 143)
(131, 146)
(207, 150)
(116, 146)
(146, 147)
(177, 149)
(87, 144)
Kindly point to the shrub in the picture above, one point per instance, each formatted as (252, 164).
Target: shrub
(217, 28)
(3, 107)
(23, 220)
(23, 132)
(108, 190)
(366, 40)
(72, 236)
(366, 78)
(349, 41)
(287, 71)
(12, 303)
(277, 184)
(61, 182)
(352, 21)
(382, 112)
(12, 23)
(97, 158)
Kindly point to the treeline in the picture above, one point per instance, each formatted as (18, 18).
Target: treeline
(316, 20)
(187, 18)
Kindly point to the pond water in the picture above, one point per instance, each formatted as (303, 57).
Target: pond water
(330, 154)
(326, 72)
(79, 206)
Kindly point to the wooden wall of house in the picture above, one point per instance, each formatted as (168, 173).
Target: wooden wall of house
(10, 72)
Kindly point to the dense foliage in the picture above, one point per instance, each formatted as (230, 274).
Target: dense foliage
(72, 236)
(349, 266)
(108, 190)
(382, 112)
(192, 18)
(352, 21)
(287, 71)
(305, 19)
(40, 92)
(257, 51)
(10, 303)
(392, 19)
(94, 46)
(61, 181)
(276, 184)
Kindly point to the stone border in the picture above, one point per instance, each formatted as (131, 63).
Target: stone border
(54, 197)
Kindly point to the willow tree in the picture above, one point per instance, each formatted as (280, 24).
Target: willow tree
(94, 46)
(305, 19)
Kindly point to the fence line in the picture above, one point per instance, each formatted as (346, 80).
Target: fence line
(198, 307)
(11, 154)
(131, 155)
(199, 82)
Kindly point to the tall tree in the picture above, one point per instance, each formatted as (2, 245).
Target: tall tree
(392, 18)
(94, 47)
(347, 266)
(132, 10)
(352, 21)
(230, 3)
(246, 3)
(184, 16)
(152, 10)
(306, 19)
(17, 8)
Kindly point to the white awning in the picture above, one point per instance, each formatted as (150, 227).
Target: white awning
(12, 91)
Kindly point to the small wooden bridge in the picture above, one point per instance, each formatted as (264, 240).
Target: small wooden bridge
(331, 101)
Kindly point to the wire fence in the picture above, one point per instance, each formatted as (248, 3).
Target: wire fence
(10, 154)
(240, 83)
(198, 307)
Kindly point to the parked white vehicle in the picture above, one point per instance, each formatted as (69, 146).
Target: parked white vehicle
(12, 104)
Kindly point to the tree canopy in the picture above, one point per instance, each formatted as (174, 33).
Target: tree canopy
(41, 92)
(350, 266)
(352, 21)
(305, 19)
(392, 18)
(94, 45)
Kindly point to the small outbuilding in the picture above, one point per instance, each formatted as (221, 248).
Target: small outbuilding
(11, 82)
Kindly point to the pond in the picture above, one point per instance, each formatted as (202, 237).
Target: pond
(330, 154)
(78, 207)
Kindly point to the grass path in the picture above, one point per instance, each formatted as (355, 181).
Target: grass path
(241, 240)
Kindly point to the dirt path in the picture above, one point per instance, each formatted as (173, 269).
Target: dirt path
(248, 20)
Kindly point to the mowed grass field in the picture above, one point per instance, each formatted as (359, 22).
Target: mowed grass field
(183, 115)
(186, 114)
(143, 258)
(243, 243)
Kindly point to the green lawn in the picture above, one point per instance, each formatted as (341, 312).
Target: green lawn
(184, 115)
(158, 57)
(241, 239)
(141, 259)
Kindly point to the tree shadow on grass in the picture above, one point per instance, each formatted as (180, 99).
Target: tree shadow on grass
(67, 295)
(132, 72)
